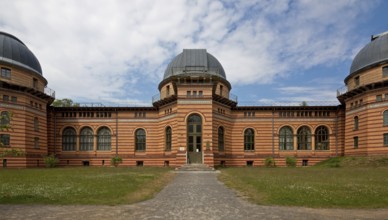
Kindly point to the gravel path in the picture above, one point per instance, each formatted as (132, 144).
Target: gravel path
(192, 195)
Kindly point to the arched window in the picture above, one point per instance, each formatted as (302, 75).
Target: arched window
(140, 140)
(168, 138)
(355, 123)
(286, 138)
(221, 138)
(322, 138)
(385, 118)
(5, 119)
(36, 124)
(304, 138)
(86, 139)
(249, 139)
(69, 139)
(103, 139)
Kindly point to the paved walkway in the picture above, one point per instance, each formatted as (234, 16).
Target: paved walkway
(192, 195)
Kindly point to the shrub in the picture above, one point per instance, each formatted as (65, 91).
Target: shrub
(290, 161)
(115, 161)
(270, 162)
(50, 161)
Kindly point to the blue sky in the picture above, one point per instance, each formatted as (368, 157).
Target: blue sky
(115, 52)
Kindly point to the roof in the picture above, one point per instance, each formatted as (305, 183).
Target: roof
(192, 61)
(374, 53)
(13, 51)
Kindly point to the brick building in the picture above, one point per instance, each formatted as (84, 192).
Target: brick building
(194, 119)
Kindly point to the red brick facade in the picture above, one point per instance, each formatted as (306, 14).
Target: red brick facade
(226, 134)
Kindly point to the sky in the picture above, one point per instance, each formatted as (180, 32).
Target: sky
(115, 52)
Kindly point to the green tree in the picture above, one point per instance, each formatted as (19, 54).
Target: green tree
(304, 103)
(64, 103)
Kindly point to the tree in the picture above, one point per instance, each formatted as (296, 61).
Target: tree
(64, 103)
(304, 103)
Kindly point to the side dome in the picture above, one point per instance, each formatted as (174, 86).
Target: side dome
(192, 61)
(13, 51)
(374, 53)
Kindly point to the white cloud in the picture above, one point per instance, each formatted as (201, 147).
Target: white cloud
(317, 93)
(95, 50)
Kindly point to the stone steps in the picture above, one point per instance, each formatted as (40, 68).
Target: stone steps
(195, 167)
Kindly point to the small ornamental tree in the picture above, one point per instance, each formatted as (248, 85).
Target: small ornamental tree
(51, 161)
(290, 161)
(270, 162)
(115, 161)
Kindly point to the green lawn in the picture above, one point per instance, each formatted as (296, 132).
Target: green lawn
(348, 187)
(81, 185)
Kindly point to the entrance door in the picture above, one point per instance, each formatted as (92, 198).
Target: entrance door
(194, 139)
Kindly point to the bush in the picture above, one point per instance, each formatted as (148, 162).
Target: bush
(269, 162)
(290, 161)
(115, 161)
(50, 161)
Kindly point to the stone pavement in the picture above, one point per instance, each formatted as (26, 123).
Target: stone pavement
(192, 195)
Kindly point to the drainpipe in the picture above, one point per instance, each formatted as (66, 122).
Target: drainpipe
(55, 132)
(336, 133)
(273, 132)
(117, 133)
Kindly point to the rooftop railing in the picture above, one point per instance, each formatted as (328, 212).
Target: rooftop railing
(288, 103)
(342, 90)
(233, 97)
(49, 92)
(157, 97)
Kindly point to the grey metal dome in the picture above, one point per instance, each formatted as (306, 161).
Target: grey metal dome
(192, 61)
(13, 51)
(375, 52)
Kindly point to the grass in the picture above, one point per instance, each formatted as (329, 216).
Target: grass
(318, 187)
(375, 161)
(92, 186)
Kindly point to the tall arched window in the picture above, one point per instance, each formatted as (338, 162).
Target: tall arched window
(86, 139)
(103, 139)
(249, 139)
(221, 138)
(168, 138)
(322, 138)
(5, 118)
(36, 124)
(286, 138)
(140, 140)
(355, 123)
(385, 120)
(69, 139)
(304, 138)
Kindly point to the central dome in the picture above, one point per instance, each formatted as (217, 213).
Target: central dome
(194, 61)
(13, 51)
(374, 53)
